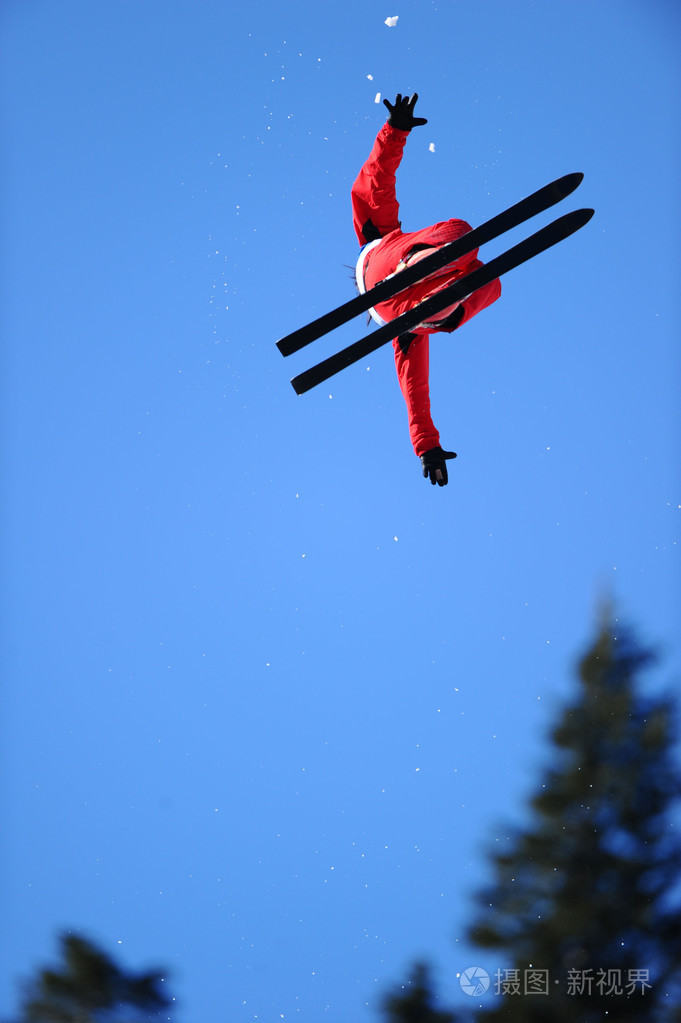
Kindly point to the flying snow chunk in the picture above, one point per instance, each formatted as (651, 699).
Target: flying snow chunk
(378, 98)
(431, 147)
(370, 77)
(391, 22)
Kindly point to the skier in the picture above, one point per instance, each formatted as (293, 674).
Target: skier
(386, 249)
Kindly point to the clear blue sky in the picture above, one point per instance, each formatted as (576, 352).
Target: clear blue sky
(268, 695)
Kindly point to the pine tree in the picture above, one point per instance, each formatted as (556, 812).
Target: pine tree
(89, 987)
(414, 1002)
(587, 895)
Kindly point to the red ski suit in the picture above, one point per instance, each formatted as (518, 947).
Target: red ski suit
(375, 212)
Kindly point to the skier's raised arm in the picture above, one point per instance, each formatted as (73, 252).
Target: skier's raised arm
(375, 210)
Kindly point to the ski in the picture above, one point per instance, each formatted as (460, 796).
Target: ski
(515, 215)
(520, 253)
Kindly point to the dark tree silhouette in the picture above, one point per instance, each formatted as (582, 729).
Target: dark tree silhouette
(89, 987)
(414, 1002)
(589, 892)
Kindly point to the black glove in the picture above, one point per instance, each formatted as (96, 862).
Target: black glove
(402, 112)
(434, 464)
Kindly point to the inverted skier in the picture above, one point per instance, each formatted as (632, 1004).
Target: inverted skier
(386, 249)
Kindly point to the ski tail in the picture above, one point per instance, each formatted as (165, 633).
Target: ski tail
(543, 239)
(515, 215)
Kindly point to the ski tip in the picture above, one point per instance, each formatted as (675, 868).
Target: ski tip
(569, 182)
(571, 222)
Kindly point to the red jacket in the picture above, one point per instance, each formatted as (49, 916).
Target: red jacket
(375, 212)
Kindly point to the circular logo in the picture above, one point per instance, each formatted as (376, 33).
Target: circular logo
(474, 981)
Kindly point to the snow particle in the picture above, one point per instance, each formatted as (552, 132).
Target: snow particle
(391, 22)
(378, 98)
(431, 147)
